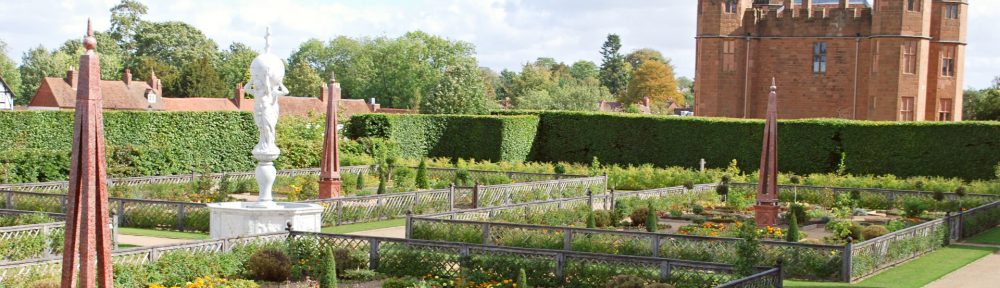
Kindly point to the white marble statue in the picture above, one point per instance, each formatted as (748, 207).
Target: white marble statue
(267, 72)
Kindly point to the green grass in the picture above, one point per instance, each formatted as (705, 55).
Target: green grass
(351, 228)
(126, 246)
(916, 273)
(163, 234)
(991, 236)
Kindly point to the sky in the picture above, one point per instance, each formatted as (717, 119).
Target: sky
(506, 33)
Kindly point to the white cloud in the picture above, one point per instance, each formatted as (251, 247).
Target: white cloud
(507, 33)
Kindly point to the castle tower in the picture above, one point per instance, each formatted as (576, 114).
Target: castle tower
(946, 60)
(721, 58)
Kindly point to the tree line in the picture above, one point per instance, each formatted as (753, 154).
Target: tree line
(416, 70)
(982, 104)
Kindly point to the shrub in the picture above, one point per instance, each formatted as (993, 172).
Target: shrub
(639, 215)
(421, 179)
(360, 183)
(799, 211)
(328, 279)
(651, 218)
(626, 281)
(591, 223)
(381, 184)
(914, 207)
(602, 218)
(895, 225)
(269, 265)
(399, 283)
(618, 213)
(689, 184)
(559, 168)
(938, 196)
(747, 249)
(793, 229)
(522, 279)
(874, 231)
(697, 209)
(491, 138)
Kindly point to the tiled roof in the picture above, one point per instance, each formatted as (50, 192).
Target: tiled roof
(116, 95)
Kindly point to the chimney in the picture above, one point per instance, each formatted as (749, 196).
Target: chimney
(153, 81)
(238, 97)
(645, 101)
(72, 77)
(127, 77)
(844, 4)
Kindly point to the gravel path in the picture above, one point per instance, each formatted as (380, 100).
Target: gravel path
(391, 232)
(148, 241)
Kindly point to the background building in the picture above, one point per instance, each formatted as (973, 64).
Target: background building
(899, 60)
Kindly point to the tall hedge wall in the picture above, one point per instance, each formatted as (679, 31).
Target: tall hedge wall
(494, 138)
(35, 145)
(966, 149)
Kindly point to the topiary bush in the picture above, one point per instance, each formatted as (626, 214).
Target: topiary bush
(602, 218)
(639, 216)
(328, 278)
(269, 265)
(874, 231)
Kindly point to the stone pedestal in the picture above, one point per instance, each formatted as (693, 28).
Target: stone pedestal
(235, 219)
(766, 215)
(329, 188)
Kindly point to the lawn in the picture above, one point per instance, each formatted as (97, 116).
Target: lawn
(916, 273)
(163, 234)
(991, 237)
(351, 228)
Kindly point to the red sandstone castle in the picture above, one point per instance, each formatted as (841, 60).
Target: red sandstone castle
(894, 60)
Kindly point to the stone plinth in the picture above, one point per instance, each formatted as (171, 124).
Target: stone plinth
(766, 215)
(235, 219)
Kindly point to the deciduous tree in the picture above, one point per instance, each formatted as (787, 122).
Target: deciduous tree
(9, 73)
(460, 91)
(655, 80)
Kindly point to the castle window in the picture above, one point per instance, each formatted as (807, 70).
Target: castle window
(913, 5)
(951, 11)
(910, 57)
(906, 109)
(948, 61)
(729, 55)
(819, 57)
(944, 114)
(730, 6)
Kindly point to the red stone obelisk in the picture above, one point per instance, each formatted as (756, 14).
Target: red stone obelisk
(767, 186)
(87, 242)
(329, 175)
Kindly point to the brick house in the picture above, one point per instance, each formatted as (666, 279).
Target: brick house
(127, 94)
(896, 60)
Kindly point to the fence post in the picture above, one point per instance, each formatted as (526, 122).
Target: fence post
(664, 271)
(612, 202)
(958, 228)
(121, 212)
(780, 264)
(340, 212)
(9, 202)
(560, 266)
(605, 183)
(845, 271)
(65, 203)
(451, 197)
(409, 224)
(656, 245)
(114, 231)
(373, 254)
(487, 240)
(180, 217)
(45, 234)
(475, 196)
(567, 239)
(590, 200)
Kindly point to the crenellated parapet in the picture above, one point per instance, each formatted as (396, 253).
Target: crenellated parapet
(815, 22)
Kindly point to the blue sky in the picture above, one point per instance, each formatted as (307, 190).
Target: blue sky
(507, 33)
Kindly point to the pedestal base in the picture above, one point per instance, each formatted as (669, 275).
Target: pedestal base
(329, 188)
(237, 219)
(766, 215)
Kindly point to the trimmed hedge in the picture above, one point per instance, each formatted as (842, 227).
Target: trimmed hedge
(493, 138)
(35, 145)
(967, 150)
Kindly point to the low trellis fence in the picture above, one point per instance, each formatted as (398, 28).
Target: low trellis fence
(603, 201)
(545, 268)
(881, 197)
(51, 266)
(511, 175)
(805, 261)
(850, 262)
(181, 216)
(347, 210)
(61, 186)
(874, 255)
(771, 278)
(400, 257)
(37, 240)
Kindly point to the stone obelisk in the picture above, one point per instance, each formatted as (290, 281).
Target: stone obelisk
(329, 175)
(87, 242)
(767, 186)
